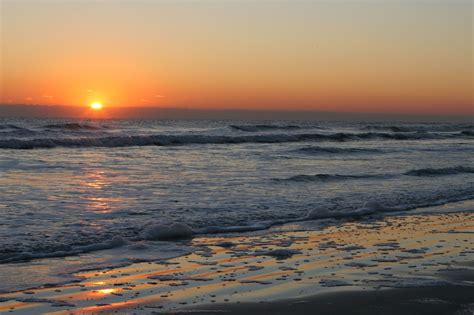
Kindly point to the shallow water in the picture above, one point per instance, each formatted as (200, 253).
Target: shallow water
(70, 186)
(430, 251)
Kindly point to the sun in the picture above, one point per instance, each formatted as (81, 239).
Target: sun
(96, 106)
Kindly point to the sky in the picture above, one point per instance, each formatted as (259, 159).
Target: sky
(389, 56)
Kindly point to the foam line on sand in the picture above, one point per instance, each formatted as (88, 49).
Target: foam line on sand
(272, 269)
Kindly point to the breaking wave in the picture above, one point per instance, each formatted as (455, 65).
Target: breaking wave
(326, 177)
(441, 171)
(255, 128)
(424, 172)
(176, 231)
(421, 128)
(21, 132)
(165, 140)
(387, 128)
(67, 250)
(334, 150)
(72, 126)
(10, 126)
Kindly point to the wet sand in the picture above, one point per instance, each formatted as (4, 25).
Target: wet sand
(412, 264)
(409, 301)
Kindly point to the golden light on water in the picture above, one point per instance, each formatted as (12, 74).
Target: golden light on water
(106, 291)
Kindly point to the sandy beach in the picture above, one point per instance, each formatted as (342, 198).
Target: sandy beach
(417, 264)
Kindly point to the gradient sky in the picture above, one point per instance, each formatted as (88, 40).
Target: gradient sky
(363, 56)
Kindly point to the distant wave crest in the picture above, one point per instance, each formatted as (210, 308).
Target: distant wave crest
(72, 126)
(10, 126)
(441, 171)
(325, 177)
(420, 128)
(165, 140)
(255, 128)
(334, 150)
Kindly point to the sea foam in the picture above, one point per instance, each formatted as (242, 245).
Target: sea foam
(166, 232)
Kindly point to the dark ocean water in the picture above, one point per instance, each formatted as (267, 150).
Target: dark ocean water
(70, 186)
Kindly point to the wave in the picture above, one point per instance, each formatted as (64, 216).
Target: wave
(441, 171)
(165, 140)
(10, 130)
(326, 177)
(387, 128)
(10, 126)
(421, 128)
(156, 231)
(255, 128)
(116, 241)
(334, 150)
(424, 172)
(72, 126)
(22, 132)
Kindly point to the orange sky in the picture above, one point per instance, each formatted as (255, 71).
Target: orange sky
(382, 56)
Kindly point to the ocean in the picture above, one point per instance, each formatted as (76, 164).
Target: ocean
(75, 186)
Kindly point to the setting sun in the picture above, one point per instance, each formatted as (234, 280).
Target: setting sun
(96, 106)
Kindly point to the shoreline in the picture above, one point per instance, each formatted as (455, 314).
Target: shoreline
(181, 232)
(416, 252)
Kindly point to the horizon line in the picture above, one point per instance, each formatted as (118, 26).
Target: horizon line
(22, 111)
(243, 110)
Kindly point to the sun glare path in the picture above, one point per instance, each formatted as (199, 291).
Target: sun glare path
(96, 106)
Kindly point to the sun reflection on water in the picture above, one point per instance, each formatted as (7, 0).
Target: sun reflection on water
(106, 291)
(96, 179)
(94, 185)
